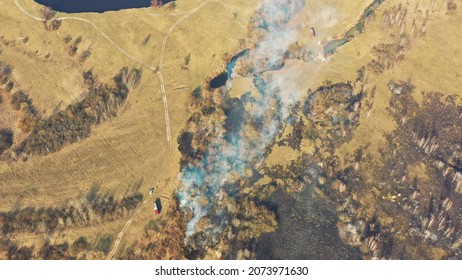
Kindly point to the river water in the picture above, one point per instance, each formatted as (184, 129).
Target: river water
(99, 6)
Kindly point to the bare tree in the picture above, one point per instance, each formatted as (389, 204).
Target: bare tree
(47, 13)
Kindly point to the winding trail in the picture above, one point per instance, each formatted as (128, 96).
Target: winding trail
(157, 70)
(167, 123)
(96, 28)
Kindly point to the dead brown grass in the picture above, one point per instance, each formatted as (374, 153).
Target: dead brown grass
(131, 147)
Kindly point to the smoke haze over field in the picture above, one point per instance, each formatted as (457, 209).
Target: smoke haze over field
(206, 186)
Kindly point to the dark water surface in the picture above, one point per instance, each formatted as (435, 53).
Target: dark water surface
(332, 46)
(222, 78)
(219, 80)
(307, 230)
(99, 6)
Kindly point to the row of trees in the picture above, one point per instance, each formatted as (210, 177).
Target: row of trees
(75, 122)
(93, 208)
(81, 248)
(6, 139)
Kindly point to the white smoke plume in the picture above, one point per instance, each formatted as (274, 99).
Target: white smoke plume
(206, 185)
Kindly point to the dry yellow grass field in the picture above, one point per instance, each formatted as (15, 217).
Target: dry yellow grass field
(128, 148)
(131, 147)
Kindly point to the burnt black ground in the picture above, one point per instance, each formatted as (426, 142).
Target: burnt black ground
(307, 229)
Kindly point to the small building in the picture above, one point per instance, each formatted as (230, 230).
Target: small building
(157, 206)
(313, 31)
